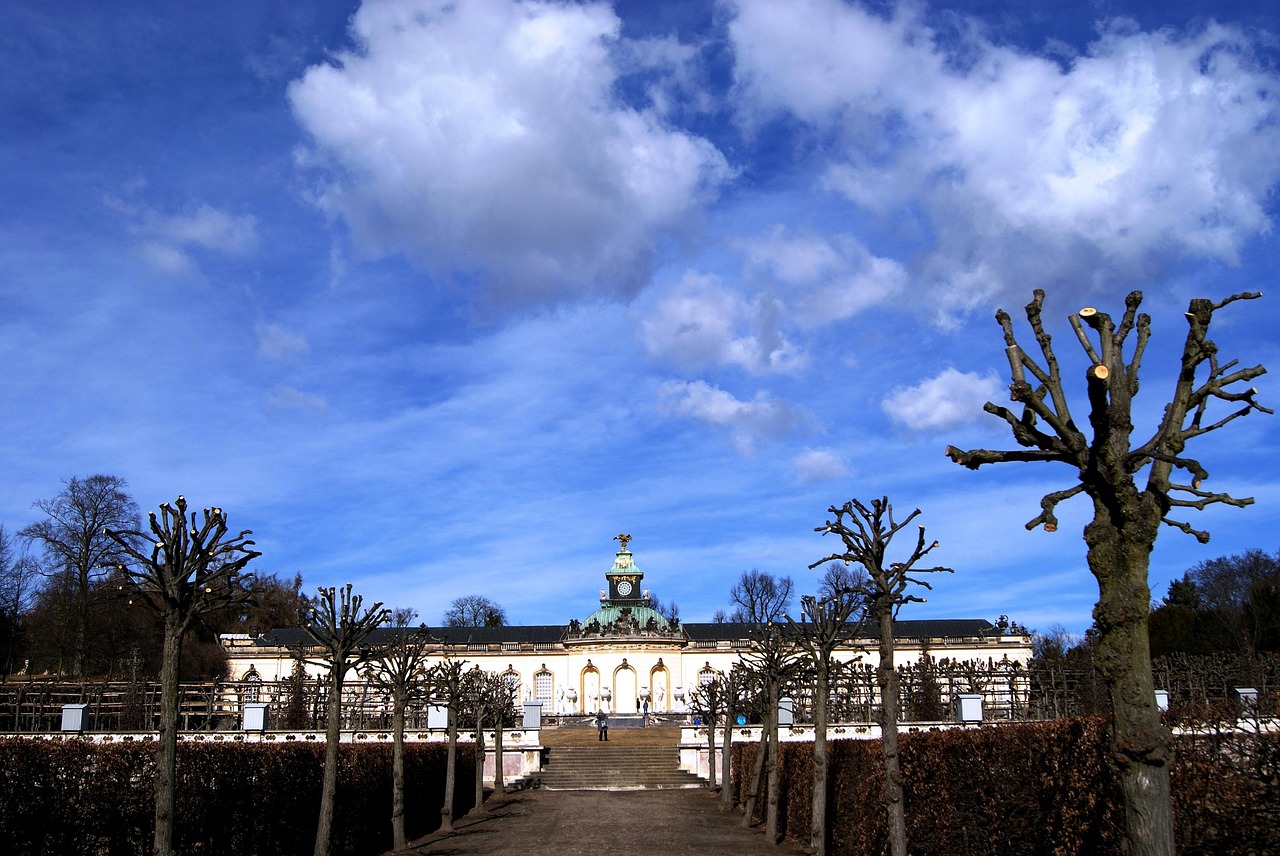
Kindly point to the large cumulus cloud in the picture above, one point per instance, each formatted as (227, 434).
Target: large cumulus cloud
(487, 137)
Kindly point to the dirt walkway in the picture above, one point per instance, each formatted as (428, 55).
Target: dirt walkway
(591, 823)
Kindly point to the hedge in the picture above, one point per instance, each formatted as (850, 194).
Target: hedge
(1033, 788)
(233, 799)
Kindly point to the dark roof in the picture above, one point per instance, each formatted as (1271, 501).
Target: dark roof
(288, 637)
(930, 628)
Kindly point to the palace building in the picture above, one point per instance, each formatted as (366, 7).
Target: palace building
(624, 653)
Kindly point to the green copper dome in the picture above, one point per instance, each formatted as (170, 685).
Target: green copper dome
(625, 607)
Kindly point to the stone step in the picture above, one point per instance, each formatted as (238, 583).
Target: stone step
(614, 767)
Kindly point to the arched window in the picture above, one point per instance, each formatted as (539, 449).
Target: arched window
(512, 679)
(252, 685)
(544, 687)
(707, 675)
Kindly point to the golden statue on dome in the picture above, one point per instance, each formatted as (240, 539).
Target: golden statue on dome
(624, 539)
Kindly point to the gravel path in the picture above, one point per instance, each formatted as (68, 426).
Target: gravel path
(592, 823)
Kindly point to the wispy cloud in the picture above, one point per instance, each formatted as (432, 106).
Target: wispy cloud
(167, 240)
(761, 417)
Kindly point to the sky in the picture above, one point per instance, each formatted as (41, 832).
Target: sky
(437, 298)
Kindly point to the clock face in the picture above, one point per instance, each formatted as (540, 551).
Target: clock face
(624, 588)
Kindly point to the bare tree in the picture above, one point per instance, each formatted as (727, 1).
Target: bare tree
(448, 682)
(474, 610)
(191, 570)
(867, 533)
(75, 548)
(825, 624)
(710, 702)
(759, 597)
(774, 659)
(1126, 518)
(17, 576)
(400, 670)
(339, 626)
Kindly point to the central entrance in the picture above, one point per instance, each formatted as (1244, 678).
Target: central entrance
(626, 690)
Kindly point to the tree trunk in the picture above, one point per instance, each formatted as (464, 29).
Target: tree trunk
(450, 770)
(398, 839)
(711, 753)
(887, 678)
(333, 734)
(818, 810)
(479, 805)
(1119, 558)
(167, 750)
(771, 806)
(753, 795)
(499, 786)
(727, 796)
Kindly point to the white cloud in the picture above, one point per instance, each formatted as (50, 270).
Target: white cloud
(818, 465)
(1148, 147)
(941, 402)
(762, 417)
(277, 343)
(485, 136)
(167, 239)
(824, 278)
(287, 399)
(700, 321)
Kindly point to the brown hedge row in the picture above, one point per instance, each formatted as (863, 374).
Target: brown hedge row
(1034, 788)
(73, 796)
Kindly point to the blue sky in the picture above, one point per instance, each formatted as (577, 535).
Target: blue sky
(438, 299)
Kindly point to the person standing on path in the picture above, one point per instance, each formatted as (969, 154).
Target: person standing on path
(602, 724)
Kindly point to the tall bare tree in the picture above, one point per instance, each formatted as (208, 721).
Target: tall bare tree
(74, 546)
(400, 670)
(340, 626)
(825, 624)
(191, 570)
(474, 610)
(867, 532)
(759, 597)
(1126, 518)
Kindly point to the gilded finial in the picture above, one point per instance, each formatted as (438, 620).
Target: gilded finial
(623, 539)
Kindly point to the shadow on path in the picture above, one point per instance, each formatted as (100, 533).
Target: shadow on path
(589, 823)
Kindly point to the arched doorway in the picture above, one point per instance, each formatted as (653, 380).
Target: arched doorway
(590, 681)
(626, 691)
(659, 689)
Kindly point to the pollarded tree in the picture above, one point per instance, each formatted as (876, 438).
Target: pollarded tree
(340, 627)
(1126, 517)
(400, 670)
(775, 660)
(867, 533)
(825, 624)
(710, 702)
(191, 570)
(448, 682)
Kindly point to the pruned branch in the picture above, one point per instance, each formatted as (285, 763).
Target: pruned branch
(1108, 464)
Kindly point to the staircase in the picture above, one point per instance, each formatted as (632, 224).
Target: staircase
(632, 759)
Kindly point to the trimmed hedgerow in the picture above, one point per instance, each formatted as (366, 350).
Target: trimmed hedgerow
(1034, 788)
(74, 796)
